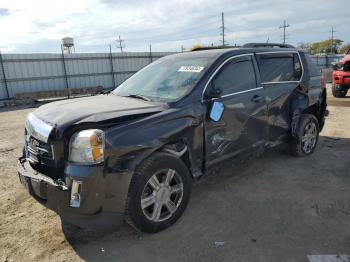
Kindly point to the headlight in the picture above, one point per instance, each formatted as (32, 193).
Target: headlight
(86, 147)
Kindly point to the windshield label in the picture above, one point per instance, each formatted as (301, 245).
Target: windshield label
(192, 69)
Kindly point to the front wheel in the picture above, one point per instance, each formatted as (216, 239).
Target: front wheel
(158, 194)
(307, 136)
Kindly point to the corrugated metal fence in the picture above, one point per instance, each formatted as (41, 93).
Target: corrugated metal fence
(20, 73)
(325, 61)
(49, 72)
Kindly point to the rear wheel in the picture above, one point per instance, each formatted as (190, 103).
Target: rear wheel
(339, 91)
(307, 136)
(158, 193)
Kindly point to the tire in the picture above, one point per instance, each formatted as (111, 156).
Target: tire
(165, 195)
(339, 91)
(298, 147)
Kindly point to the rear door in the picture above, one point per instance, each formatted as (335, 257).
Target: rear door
(241, 123)
(281, 73)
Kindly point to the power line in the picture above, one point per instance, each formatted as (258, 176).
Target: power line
(332, 39)
(121, 46)
(284, 26)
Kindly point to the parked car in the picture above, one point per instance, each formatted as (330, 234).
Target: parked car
(134, 153)
(341, 77)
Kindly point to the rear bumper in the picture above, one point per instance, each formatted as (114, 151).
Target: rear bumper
(55, 195)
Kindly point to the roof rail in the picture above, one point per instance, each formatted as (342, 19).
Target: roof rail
(267, 45)
(212, 47)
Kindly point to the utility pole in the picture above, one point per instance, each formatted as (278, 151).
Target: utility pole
(120, 44)
(112, 67)
(332, 40)
(150, 53)
(284, 26)
(223, 29)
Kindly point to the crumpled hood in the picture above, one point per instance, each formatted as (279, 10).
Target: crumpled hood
(62, 114)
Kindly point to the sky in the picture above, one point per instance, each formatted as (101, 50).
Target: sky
(39, 25)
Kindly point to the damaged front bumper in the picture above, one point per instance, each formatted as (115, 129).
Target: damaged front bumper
(93, 210)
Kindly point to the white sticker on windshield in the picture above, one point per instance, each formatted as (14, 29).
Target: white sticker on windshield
(192, 69)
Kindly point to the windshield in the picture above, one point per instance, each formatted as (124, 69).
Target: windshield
(165, 80)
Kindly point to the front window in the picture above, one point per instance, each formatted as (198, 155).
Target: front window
(236, 76)
(166, 80)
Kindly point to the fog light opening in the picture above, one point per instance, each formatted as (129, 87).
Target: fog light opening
(75, 195)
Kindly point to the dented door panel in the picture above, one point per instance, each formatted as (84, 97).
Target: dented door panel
(241, 127)
(279, 97)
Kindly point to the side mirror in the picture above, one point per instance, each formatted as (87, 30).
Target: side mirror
(213, 92)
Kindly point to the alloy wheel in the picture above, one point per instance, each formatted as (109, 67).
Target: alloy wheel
(309, 137)
(162, 195)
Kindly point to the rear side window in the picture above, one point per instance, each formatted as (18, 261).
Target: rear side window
(236, 76)
(279, 67)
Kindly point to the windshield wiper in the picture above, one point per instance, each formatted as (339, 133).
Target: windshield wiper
(139, 97)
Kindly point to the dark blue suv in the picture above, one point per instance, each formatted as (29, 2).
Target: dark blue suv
(133, 153)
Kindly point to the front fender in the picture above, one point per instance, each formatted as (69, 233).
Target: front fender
(135, 141)
(129, 144)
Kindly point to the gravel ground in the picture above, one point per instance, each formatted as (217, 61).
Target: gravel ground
(276, 208)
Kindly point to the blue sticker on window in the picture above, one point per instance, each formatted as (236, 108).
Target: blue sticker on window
(216, 111)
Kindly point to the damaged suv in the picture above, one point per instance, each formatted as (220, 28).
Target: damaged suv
(133, 153)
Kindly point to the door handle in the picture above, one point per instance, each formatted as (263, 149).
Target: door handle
(257, 98)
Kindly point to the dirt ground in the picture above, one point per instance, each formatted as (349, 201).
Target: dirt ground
(276, 208)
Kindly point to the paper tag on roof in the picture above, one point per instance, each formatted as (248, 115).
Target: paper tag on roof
(192, 69)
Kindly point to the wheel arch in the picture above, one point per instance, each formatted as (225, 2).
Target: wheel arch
(319, 109)
(301, 105)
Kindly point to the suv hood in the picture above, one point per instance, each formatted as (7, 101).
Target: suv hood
(94, 109)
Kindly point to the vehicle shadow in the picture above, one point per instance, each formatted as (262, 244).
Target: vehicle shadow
(273, 207)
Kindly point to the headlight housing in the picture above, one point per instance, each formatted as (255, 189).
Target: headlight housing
(87, 147)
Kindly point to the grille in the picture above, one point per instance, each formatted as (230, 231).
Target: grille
(41, 156)
(38, 151)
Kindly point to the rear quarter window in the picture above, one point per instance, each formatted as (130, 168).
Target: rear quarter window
(279, 67)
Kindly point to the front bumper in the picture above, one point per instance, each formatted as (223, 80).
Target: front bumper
(341, 79)
(95, 211)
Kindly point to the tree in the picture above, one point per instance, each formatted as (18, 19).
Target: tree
(325, 47)
(304, 46)
(344, 49)
(195, 46)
